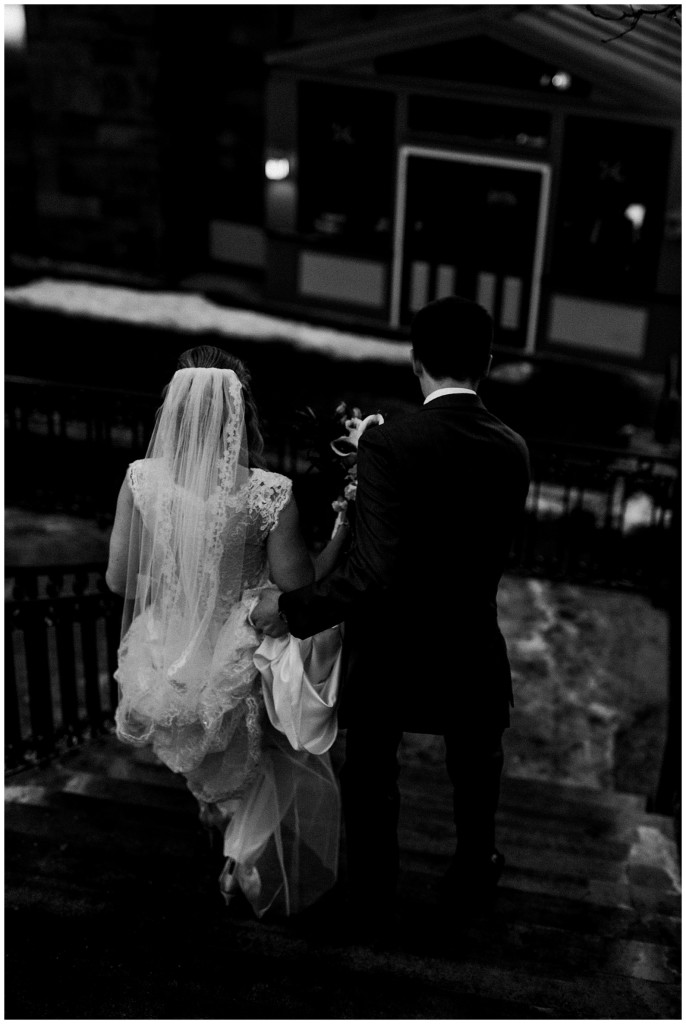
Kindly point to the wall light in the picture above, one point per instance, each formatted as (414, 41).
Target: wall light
(15, 26)
(277, 168)
(561, 80)
(636, 213)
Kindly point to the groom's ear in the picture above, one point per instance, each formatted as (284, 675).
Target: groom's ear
(417, 367)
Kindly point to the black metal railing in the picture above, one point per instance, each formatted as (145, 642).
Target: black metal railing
(594, 515)
(67, 447)
(62, 623)
(598, 516)
(61, 637)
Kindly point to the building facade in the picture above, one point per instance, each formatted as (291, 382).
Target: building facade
(357, 161)
(507, 154)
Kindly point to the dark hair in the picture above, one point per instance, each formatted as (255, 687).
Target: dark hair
(211, 356)
(452, 337)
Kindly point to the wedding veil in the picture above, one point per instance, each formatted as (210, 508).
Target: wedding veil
(186, 553)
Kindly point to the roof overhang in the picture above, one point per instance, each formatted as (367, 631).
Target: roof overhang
(643, 66)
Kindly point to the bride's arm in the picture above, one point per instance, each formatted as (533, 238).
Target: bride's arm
(328, 557)
(290, 565)
(117, 566)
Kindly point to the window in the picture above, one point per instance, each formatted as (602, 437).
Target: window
(611, 207)
(346, 149)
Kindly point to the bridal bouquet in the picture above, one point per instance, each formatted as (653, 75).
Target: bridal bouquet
(332, 441)
(346, 448)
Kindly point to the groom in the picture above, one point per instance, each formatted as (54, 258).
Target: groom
(439, 495)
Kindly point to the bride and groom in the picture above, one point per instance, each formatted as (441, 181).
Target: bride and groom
(199, 533)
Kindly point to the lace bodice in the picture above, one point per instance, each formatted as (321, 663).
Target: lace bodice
(261, 501)
(186, 677)
(267, 494)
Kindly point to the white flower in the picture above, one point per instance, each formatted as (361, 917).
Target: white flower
(347, 445)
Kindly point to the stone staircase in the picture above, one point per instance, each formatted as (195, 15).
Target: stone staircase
(113, 910)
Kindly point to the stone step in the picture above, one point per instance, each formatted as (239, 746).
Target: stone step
(513, 965)
(241, 979)
(564, 869)
(538, 870)
(600, 827)
(134, 829)
(565, 813)
(110, 881)
(575, 806)
(110, 755)
(516, 905)
(123, 762)
(53, 781)
(75, 825)
(567, 861)
(525, 792)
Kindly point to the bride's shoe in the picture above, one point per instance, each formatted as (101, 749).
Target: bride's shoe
(228, 881)
(239, 880)
(250, 882)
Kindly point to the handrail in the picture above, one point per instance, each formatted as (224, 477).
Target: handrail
(38, 382)
(60, 656)
(595, 515)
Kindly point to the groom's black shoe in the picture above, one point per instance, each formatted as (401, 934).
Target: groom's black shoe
(469, 885)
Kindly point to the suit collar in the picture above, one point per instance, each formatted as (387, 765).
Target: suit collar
(440, 392)
(462, 402)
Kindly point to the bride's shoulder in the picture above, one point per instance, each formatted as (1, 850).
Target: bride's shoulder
(269, 492)
(135, 472)
(143, 472)
(265, 478)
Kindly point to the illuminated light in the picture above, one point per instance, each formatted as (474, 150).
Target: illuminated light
(277, 169)
(15, 26)
(636, 213)
(561, 80)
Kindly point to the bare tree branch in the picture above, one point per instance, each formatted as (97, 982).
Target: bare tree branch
(633, 14)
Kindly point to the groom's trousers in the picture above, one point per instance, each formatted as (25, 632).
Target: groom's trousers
(371, 802)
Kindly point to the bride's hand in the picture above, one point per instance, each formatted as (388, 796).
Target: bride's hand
(266, 617)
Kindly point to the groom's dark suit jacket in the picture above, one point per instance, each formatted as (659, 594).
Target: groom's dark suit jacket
(440, 493)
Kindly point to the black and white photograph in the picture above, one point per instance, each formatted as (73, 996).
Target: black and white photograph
(343, 512)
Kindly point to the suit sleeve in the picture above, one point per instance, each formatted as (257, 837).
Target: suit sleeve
(370, 567)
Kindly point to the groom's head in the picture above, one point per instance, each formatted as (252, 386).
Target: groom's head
(451, 339)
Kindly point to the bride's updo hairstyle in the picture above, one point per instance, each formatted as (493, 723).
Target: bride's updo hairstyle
(212, 357)
(452, 337)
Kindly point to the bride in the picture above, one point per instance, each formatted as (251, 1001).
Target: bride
(200, 529)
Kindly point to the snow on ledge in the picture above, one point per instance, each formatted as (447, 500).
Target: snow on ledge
(195, 314)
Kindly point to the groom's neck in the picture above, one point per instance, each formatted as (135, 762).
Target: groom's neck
(430, 384)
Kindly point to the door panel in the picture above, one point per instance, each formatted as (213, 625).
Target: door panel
(471, 225)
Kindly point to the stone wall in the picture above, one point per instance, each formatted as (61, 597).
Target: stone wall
(93, 80)
(146, 125)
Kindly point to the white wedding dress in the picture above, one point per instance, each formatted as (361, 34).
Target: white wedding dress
(197, 697)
